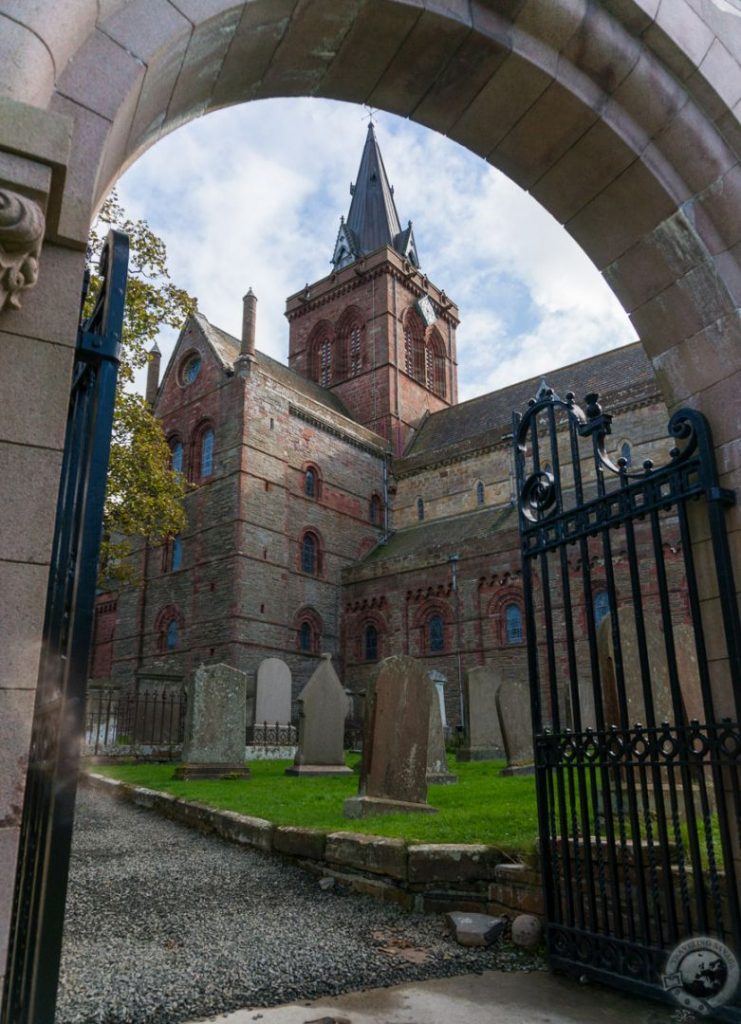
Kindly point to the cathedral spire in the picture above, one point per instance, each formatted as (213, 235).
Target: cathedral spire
(372, 221)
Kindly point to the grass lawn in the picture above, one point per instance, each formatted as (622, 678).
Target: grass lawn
(481, 808)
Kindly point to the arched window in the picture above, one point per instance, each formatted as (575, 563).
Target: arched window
(435, 633)
(310, 483)
(414, 347)
(420, 509)
(479, 493)
(310, 554)
(375, 510)
(305, 637)
(354, 352)
(177, 552)
(513, 624)
(176, 455)
(370, 642)
(435, 364)
(325, 363)
(204, 452)
(190, 368)
(626, 453)
(601, 606)
(171, 635)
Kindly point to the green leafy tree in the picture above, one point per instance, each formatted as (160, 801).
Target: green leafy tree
(144, 496)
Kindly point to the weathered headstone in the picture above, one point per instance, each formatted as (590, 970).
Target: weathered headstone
(321, 724)
(482, 731)
(513, 705)
(273, 696)
(215, 724)
(396, 733)
(437, 760)
(663, 710)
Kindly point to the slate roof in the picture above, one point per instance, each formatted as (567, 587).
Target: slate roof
(620, 376)
(444, 534)
(227, 348)
(372, 221)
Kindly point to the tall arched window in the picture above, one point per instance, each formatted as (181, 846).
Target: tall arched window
(310, 561)
(601, 606)
(370, 642)
(354, 353)
(305, 637)
(375, 510)
(479, 493)
(420, 509)
(310, 483)
(414, 347)
(325, 363)
(435, 364)
(435, 633)
(626, 453)
(171, 636)
(177, 552)
(513, 624)
(205, 452)
(176, 455)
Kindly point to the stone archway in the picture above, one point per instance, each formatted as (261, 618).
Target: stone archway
(621, 118)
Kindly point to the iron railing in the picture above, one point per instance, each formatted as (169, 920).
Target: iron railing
(147, 725)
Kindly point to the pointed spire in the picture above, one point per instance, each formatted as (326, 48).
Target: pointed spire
(372, 221)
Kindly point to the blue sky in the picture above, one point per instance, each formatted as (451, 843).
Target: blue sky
(251, 197)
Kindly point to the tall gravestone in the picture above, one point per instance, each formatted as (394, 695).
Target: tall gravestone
(513, 705)
(437, 758)
(482, 733)
(215, 724)
(393, 775)
(273, 694)
(323, 707)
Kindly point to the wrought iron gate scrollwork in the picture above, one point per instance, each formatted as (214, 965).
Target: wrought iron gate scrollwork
(633, 670)
(46, 825)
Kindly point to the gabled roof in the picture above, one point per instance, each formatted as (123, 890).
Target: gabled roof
(623, 375)
(372, 221)
(227, 348)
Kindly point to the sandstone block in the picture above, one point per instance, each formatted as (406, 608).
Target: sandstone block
(451, 862)
(475, 929)
(299, 842)
(368, 853)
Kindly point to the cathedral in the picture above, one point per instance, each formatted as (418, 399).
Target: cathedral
(346, 502)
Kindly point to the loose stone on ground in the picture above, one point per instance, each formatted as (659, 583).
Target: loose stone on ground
(166, 925)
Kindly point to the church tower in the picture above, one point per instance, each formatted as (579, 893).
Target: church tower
(376, 331)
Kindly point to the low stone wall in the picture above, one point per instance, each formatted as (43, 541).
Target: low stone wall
(432, 878)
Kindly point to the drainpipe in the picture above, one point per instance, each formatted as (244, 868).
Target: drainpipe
(386, 458)
(454, 559)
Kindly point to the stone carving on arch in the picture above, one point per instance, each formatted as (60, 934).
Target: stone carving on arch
(22, 226)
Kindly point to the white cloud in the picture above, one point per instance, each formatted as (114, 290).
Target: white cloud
(252, 196)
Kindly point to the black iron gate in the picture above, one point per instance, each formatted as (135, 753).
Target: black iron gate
(48, 810)
(636, 703)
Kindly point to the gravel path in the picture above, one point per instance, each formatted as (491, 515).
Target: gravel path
(166, 925)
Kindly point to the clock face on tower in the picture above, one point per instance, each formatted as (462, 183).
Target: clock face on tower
(426, 310)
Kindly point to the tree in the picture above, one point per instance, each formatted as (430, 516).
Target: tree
(144, 496)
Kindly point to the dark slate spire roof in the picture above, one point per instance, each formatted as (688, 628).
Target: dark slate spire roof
(372, 221)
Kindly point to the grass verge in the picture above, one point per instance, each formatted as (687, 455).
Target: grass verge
(482, 807)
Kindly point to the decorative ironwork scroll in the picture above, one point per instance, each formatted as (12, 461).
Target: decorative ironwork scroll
(51, 782)
(634, 641)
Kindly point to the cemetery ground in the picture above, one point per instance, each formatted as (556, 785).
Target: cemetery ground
(165, 924)
(482, 807)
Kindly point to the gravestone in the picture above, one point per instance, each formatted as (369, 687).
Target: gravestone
(396, 735)
(273, 695)
(215, 723)
(437, 760)
(482, 733)
(513, 706)
(663, 710)
(323, 708)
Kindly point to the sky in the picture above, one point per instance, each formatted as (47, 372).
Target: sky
(252, 196)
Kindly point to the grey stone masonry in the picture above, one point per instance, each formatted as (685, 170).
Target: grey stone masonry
(321, 724)
(216, 722)
(393, 776)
